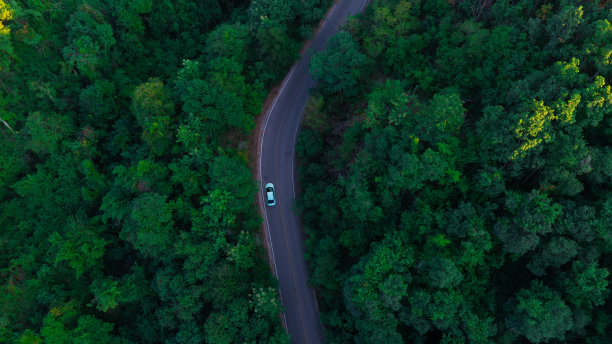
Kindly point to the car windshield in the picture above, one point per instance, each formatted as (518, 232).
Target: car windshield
(269, 189)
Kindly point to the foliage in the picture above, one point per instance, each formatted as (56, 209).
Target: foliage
(126, 212)
(337, 67)
(462, 194)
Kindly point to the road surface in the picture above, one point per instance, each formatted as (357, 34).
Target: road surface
(277, 166)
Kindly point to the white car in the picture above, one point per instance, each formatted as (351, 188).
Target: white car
(270, 194)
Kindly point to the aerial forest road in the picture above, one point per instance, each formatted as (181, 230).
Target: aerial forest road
(277, 165)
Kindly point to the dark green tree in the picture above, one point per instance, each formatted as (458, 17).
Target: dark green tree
(539, 314)
(337, 69)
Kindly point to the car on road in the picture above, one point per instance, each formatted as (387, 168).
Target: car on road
(270, 194)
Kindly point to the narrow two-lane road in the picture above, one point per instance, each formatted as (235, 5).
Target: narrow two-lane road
(277, 166)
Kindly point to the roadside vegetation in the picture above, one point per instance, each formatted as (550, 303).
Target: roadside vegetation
(126, 204)
(456, 170)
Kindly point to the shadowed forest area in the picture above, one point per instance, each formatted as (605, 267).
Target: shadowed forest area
(127, 208)
(456, 170)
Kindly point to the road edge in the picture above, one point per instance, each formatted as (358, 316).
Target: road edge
(256, 145)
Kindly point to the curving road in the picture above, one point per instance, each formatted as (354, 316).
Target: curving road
(276, 165)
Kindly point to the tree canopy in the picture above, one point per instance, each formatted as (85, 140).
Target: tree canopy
(460, 192)
(126, 199)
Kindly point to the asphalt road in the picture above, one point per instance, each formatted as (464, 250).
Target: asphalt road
(277, 166)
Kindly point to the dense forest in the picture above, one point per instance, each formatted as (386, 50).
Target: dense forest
(456, 169)
(127, 209)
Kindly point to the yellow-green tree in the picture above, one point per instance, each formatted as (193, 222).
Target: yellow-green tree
(153, 107)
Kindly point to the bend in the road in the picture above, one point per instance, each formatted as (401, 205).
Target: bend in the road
(281, 223)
